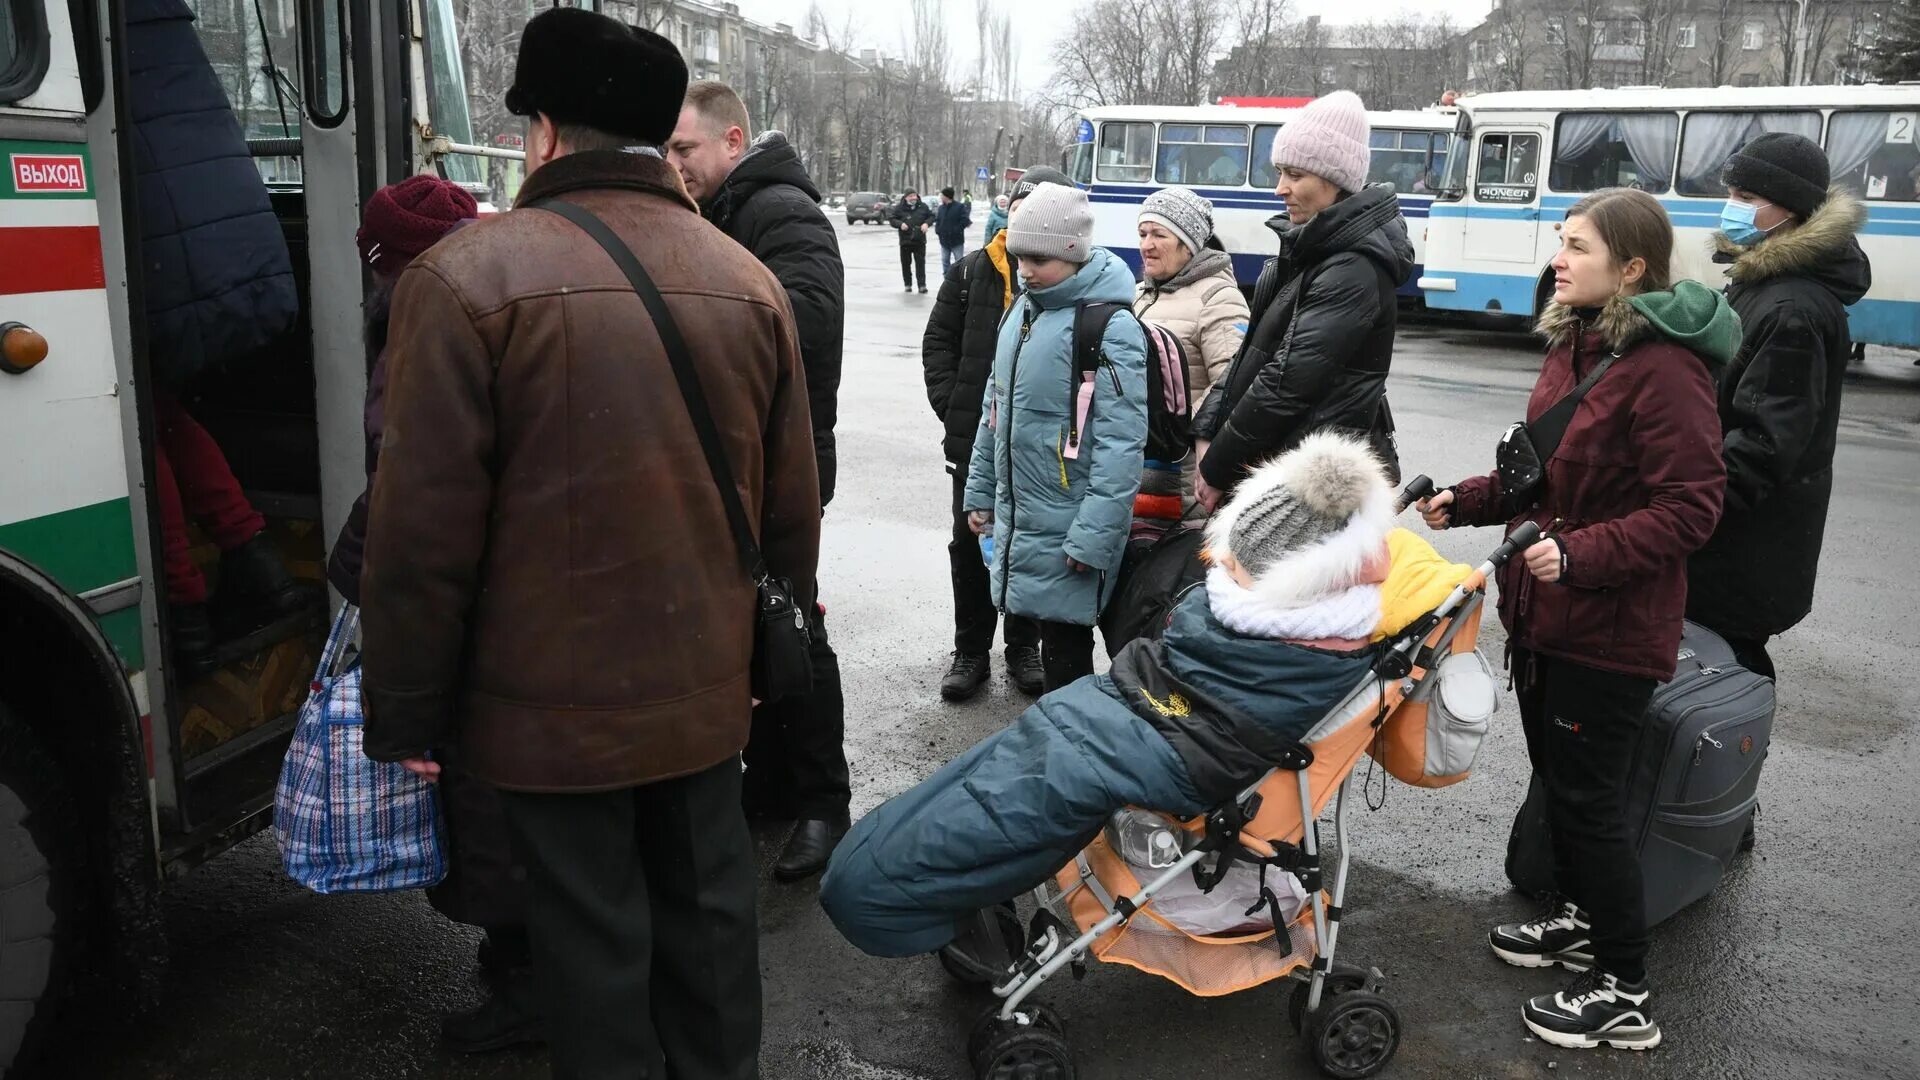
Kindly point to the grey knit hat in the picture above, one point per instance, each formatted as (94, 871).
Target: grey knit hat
(1054, 222)
(1308, 524)
(1183, 212)
(1033, 178)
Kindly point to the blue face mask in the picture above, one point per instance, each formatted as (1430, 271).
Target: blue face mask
(1736, 220)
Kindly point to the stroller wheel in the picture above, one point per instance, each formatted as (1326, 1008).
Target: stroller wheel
(1343, 979)
(1009, 1050)
(990, 1027)
(974, 959)
(1354, 1035)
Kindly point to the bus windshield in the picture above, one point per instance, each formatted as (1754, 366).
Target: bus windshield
(1459, 160)
(451, 114)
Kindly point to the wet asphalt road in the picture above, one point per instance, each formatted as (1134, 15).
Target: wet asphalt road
(1802, 965)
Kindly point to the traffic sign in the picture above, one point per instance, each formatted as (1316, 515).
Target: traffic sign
(982, 174)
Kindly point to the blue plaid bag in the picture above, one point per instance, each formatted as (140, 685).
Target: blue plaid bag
(344, 822)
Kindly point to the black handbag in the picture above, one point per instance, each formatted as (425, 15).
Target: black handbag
(1525, 449)
(782, 643)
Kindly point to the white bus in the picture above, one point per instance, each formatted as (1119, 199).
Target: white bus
(118, 771)
(1522, 159)
(1123, 154)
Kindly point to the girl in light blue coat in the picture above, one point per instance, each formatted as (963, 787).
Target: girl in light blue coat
(1056, 466)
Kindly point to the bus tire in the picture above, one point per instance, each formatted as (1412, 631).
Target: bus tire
(42, 891)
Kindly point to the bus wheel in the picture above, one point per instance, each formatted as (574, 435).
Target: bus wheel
(41, 890)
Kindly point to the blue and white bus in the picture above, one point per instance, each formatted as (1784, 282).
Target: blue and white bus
(1520, 160)
(1122, 154)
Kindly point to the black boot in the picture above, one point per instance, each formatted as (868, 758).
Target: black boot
(810, 846)
(965, 677)
(509, 1017)
(255, 588)
(1023, 665)
(192, 640)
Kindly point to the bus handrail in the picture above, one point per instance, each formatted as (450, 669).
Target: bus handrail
(273, 147)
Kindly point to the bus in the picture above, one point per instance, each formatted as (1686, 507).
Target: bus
(1123, 154)
(117, 771)
(1521, 159)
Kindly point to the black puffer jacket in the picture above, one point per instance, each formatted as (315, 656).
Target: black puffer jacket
(912, 215)
(957, 350)
(1780, 411)
(1324, 314)
(770, 207)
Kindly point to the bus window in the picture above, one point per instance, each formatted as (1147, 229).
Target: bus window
(1712, 137)
(1080, 168)
(449, 110)
(1509, 169)
(1126, 152)
(23, 48)
(1211, 154)
(1437, 168)
(1873, 154)
(1602, 150)
(257, 59)
(9, 51)
(1403, 159)
(1264, 174)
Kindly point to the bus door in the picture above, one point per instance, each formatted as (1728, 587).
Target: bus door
(1503, 215)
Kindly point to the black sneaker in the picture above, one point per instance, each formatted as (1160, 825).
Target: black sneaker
(1023, 666)
(1561, 934)
(509, 1017)
(965, 678)
(1598, 1009)
(255, 588)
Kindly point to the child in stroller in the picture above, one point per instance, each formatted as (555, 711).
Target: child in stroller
(1309, 585)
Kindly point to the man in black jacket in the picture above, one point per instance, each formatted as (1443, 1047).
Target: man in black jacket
(759, 194)
(957, 353)
(1795, 267)
(913, 219)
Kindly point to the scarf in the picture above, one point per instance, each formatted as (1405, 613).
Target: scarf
(1350, 615)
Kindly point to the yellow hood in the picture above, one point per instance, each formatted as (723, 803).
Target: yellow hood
(1418, 579)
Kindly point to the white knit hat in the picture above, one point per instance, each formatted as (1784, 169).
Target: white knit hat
(1183, 212)
(1328, 139)
(1307, 524)
(1054, 222)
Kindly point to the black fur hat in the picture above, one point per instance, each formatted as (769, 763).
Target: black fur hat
(581, 67)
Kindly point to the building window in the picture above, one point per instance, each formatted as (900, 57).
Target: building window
(1753, 35)
(1687, 38)
(1556, 31)
(1328, 76)
(1633, 33)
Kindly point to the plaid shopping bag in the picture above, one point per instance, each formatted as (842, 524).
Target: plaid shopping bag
(344, 822)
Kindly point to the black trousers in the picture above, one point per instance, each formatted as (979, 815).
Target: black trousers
(796, 763)
(913, 259)
(1582, 728)
(645, 943)
(1752, 654)
(1066, 653)
(974, 616)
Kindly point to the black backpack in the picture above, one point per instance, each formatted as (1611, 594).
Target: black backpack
(1169, 409)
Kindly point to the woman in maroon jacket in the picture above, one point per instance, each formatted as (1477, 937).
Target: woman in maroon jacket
(1594, 611)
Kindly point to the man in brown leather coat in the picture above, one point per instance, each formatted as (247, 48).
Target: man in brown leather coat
(550, 579)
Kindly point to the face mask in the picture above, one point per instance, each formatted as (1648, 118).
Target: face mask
(1736, 220)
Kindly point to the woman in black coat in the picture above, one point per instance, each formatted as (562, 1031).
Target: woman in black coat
(1324, 311)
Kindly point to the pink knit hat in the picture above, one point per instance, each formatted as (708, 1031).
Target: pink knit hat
(1329, 140)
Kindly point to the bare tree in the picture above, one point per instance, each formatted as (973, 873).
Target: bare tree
(1509, 46)
(1107, 60)
(1253, 66)
(1658, 25)
(1723, 19)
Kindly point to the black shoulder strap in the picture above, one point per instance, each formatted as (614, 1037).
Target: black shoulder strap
(683, 373)
(1547, 431)
(1089, 333)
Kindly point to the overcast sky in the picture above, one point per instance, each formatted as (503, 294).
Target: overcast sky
(882, 24)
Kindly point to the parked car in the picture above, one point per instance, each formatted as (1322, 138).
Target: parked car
(868, 206)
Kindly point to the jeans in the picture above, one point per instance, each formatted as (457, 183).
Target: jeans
(1066, 653)
(974, 616)
(1582, 728)
(951, 255)
(913, 259)
(645, 940)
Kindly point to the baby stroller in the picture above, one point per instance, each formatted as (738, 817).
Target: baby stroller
(1097, 906)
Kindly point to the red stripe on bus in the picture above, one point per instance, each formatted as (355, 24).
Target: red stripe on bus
(59, 258)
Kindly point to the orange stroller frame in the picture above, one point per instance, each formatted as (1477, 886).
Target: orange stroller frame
(1352, 1031)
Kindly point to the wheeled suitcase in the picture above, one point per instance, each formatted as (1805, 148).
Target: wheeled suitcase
(1694, 786)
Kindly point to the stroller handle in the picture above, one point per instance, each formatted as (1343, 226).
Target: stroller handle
(1520, 539)
(1420, 487)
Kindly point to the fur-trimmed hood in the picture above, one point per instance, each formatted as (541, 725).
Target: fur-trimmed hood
(1822, 247)
(1690, 315)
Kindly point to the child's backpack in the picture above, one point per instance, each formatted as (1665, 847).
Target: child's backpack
(1169, 410)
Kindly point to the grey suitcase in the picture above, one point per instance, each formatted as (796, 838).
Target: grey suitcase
(1695, 782)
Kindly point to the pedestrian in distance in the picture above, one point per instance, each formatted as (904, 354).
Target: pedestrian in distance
(957, 353)
(1055, 466)
(550, 583)
(912, 219)
(485, 885)
(996, 218)
(1794, 267)
(1593, 610)
(950, 224)
(1324, 311)
(1187, 286)
(756, 191)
